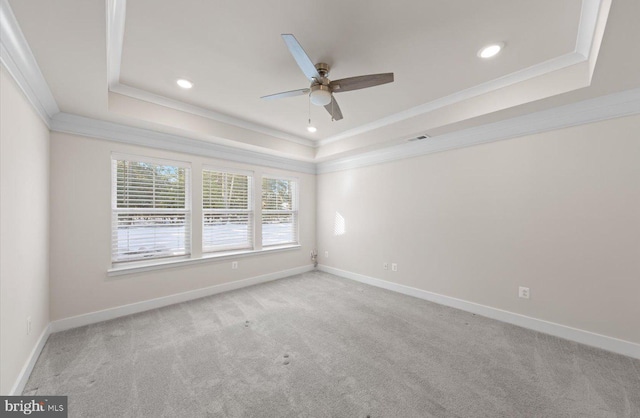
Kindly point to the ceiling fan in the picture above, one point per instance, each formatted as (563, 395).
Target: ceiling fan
(321, 89)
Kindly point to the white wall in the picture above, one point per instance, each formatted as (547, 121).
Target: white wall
(24, 230)
(558, 212)
(81, 232)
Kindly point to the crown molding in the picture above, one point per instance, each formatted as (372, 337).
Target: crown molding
(93, 128)
(601, 108)
(206, 113)
(116, 16)
(587, 30)
(546, 67)
(17, 58)
(615, 105)
(590, 19)
(116, 13)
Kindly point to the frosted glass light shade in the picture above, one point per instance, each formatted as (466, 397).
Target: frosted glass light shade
(320, 95)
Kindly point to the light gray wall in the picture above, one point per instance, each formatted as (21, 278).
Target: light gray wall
(24, 229)
(81, 232)
(558, 212)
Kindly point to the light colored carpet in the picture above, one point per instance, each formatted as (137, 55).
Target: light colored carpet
(316, 345)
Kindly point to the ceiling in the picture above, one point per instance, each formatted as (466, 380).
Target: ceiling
(235, 55)
(118, 61)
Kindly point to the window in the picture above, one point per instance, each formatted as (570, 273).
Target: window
(226, 211)
(279, 211)
(151, 209)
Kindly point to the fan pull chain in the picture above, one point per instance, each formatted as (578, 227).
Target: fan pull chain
(309, 97)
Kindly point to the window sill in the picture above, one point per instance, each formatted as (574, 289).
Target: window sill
(165, 264)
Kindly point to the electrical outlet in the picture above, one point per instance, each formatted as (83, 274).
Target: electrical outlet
(234, 265)
(28, 325)
(523, 292)
(326, 254)
(394, 267)
(385, 266)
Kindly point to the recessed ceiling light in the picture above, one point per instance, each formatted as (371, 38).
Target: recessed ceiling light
(311, 129)
(185, 84)
(490, 50)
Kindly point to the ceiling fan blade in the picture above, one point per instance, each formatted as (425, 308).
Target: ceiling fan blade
(301, 57)
(284, 94)
(360, 82)
(334, 109)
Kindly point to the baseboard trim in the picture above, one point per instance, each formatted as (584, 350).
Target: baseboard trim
(604, 342)
(23, 377)
(112, 313)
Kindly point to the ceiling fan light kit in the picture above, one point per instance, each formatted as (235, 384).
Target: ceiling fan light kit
(321, 89)
(320, 95)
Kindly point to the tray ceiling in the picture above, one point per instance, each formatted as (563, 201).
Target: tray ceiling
(119, 61)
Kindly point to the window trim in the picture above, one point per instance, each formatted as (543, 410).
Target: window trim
(164, 263)
(251, 208)
(196, 255)
(295, 212)
(187, 210)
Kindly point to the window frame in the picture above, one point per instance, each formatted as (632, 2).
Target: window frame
(250, 211)
(115, 210)
(294, 211)
(194, 196)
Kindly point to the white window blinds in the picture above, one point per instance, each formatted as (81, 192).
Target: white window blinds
(151, 210)
(279, 211)
(227, 211)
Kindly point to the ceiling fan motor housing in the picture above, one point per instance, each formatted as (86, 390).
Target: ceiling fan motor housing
(323, 69)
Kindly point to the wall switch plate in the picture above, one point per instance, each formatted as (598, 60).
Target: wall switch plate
(394, 266)
(385, 266)
(234, 265)
(28, 325)
(326, 254)
(523, 292)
